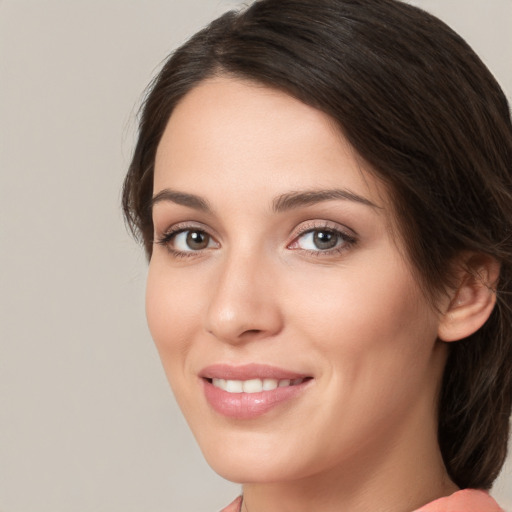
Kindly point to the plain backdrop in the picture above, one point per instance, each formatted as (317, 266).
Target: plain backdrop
(87, 422)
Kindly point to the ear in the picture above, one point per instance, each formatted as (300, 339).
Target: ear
(472, 302)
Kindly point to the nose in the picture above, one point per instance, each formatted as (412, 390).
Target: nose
(244, 305)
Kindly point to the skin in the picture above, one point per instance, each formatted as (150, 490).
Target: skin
(362, 435)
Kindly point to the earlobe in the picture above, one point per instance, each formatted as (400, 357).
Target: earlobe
(473, 300)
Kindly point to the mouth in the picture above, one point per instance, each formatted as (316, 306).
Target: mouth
(250, 391)
(254, 385)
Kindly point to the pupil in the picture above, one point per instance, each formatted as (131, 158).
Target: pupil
(325, 239)
(197, 240)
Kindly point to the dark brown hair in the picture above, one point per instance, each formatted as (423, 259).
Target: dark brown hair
(430, 120)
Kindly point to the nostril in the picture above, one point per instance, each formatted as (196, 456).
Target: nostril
(251, 334)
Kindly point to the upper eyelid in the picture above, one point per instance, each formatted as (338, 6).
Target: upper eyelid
(323, 224)
(185, 226)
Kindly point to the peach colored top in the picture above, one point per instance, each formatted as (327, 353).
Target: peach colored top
(468, 500)
(236, 506)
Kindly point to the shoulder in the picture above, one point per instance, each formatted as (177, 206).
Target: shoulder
(468, 500)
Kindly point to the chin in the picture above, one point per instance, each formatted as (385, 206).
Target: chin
(242, 470)
(256, 460)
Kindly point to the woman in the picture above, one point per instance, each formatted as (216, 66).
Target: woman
(323, 189)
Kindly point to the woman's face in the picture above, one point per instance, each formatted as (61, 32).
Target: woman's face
(291, 328)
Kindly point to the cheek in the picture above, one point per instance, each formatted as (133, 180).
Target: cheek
(369, 319)
(172, 314)
(372, 334)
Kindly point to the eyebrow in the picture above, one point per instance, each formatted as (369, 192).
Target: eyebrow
(190, 200)
(282, 203)
(293, 200)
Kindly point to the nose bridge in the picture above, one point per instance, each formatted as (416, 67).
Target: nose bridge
(243, 305)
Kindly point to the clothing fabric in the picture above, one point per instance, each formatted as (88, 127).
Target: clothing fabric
(468, 500)
(236, 506)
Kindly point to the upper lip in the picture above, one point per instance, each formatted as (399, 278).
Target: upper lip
(247, 372)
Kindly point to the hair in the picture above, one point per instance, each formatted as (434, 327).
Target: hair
(430, 121)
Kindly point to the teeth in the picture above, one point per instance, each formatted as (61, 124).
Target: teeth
(270, 384)
(234, 386)
(253, 385)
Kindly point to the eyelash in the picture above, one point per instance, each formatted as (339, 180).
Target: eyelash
(348, 239)
(166, 238)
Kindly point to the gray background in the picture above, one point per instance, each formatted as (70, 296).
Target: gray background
(87, 422)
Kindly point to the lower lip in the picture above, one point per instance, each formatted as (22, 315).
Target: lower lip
(247, 406)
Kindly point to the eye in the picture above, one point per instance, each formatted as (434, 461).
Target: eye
(322, 240)
(191, 240)
(187, 241)
(318, 240)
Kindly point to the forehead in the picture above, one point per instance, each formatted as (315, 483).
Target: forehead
(235, 135)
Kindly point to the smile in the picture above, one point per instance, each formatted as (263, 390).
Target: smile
(254, 385)
(250, 391)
